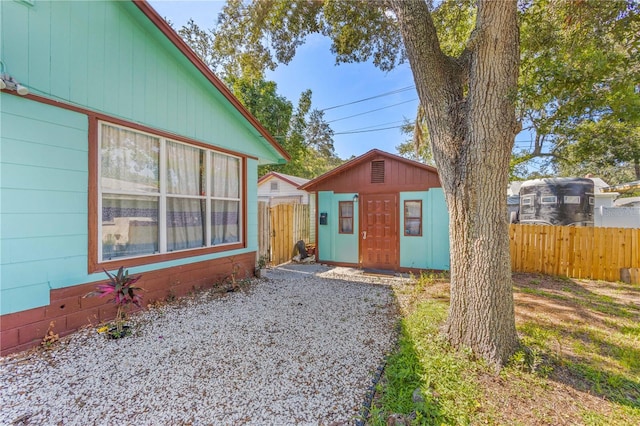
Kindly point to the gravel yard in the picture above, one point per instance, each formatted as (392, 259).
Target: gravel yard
(298, 347)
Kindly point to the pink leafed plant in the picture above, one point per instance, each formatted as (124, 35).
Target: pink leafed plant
(121, 290)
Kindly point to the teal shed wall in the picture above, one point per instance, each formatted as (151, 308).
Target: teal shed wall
(109, 58)
(431, 250)
(333, 246)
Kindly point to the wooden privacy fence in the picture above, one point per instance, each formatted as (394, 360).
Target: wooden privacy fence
(279, 228)
(578, 252)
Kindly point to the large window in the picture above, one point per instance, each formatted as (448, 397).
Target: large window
(413, 218)
(157, 195)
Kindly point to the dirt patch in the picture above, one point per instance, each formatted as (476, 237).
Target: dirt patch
(576, 314)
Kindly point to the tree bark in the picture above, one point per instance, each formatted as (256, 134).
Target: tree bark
(470, 113)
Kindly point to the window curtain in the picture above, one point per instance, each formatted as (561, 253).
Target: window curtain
(225, 211)
(225, 179)
(185, 216)
(130, 161)
(225, 222)
(129, 226)
(129, 166)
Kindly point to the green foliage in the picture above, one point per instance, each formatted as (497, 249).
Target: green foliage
(454, 21)
(418, 147)
(301, 131)
(578, 83)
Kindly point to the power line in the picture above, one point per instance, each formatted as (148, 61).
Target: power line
(380, 124)
(393, 92)
(366, 131)
(372, 110)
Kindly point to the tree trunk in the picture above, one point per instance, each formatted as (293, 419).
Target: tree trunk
(470, 112)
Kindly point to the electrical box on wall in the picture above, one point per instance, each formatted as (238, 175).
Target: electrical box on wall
(323, 218)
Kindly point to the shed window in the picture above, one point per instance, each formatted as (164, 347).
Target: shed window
(345, 221)
(274, 186)
(157, 195)
(377, 171)
(413, 218)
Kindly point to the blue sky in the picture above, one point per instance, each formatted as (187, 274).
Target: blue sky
(314, 68)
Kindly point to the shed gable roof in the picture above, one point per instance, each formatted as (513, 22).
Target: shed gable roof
(362, 161)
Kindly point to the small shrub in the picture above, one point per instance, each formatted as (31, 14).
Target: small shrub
(121, 290)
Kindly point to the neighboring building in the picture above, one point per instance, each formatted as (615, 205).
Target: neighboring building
(381, 211)
(126, 151)
(277, 188)
(611, 211)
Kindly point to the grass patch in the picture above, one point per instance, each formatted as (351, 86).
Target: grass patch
(579, 362)
(425, 361)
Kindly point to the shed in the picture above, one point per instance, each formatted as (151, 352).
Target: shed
(278, 188)
(383, 212)
(119, 147)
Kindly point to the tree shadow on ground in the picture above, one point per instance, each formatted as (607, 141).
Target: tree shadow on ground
(586, 333)
(397, 399)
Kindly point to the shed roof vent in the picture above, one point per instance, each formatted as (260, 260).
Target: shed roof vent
(377, 171)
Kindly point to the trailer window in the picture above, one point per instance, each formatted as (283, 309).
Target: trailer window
(527, 201)
(591, 201)
(572, 199)
(549, 199)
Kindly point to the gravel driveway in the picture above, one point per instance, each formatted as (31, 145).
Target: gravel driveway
(298, 347)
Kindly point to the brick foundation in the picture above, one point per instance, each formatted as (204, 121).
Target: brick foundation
(69, 311)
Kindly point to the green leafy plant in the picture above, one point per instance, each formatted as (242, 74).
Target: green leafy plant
(263, 261)
(122, 291)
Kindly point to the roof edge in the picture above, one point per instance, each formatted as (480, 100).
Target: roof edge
(177, 41)
(364, 157)
(278, 175)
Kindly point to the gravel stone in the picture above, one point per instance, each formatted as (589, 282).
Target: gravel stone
(298, 347)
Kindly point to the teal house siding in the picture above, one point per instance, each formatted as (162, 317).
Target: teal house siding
(43, 186)
(84, 62)
(334, 246)
(108, 57)
(431, 250)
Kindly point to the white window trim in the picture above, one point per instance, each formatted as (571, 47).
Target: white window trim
(569, 199)
(548, 197)
(527, 200)
(162, 195)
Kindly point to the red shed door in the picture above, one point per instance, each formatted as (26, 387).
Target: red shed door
(379, 231)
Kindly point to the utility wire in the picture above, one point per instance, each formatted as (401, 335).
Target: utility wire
(366, 131)
(379, 124)
(393, 92)
(372, 110)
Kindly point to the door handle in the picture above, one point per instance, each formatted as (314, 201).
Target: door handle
(364, 235)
